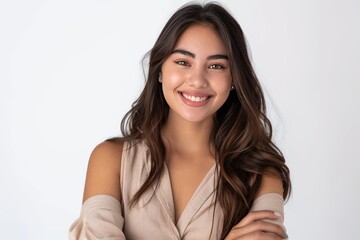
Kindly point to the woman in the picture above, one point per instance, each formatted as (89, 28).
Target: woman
(196, 160)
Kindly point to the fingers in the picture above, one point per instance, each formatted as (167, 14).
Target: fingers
(261, 228)
(255, 226)
(254, 236)
(255, 216)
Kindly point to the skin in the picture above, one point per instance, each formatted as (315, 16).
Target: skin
(197, 67)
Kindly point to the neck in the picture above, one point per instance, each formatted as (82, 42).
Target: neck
(187, 138)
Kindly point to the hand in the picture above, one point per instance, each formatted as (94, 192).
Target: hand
(253, 227)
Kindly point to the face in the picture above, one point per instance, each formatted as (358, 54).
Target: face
(196, 77)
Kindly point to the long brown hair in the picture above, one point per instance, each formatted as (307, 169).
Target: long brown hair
(242, 133)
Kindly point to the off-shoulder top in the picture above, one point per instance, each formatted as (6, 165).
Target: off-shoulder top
(104, 217)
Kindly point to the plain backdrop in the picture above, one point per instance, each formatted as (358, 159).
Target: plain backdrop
(69, 70)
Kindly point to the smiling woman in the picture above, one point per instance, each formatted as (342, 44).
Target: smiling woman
(196, 76)
(196, 160)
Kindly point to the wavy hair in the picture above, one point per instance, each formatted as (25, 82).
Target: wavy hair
(242, 134)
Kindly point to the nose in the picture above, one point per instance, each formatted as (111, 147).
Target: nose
(197, 78)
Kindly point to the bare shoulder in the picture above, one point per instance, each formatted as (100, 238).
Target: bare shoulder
(271, 183)
(103, 172)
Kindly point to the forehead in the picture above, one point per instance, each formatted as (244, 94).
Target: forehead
(201, 38)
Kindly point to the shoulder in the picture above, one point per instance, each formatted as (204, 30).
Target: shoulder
(271, 183)
(103, 172)
(107, 151)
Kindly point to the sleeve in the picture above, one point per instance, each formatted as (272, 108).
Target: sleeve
(100, 218)
(273, 202)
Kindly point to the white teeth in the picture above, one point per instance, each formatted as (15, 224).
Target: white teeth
(194, 99)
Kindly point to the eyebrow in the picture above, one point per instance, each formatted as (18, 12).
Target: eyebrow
(192, 55)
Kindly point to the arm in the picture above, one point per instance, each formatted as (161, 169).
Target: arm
(103, 173)
(101, 216)
(265, 219)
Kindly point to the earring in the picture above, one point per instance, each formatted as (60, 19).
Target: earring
(160, 77)
(232, 87)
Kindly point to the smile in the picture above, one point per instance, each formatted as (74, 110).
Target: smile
(193, 98)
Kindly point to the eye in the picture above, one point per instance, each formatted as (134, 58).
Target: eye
(216, 66)
(183, 63)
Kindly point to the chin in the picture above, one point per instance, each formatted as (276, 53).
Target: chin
(196, 118)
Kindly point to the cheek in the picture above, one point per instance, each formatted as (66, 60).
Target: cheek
(171, 78)
(222, 85)
(170, 84)
(170, 81)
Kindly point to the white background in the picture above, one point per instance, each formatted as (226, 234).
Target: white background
(69, 70)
